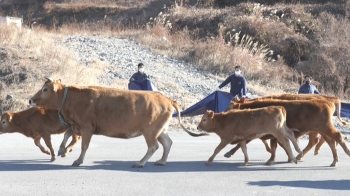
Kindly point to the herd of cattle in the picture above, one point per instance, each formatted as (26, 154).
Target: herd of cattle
(82, 111)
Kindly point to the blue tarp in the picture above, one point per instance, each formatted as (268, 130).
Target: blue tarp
(345, 110)
(142, 85)
(219, 101)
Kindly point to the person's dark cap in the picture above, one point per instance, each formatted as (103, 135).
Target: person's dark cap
(140, 65)
(238, 67)
(307, 76)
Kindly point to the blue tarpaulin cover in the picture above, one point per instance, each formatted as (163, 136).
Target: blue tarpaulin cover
(345, 110)
(142, 85)
(218, 101)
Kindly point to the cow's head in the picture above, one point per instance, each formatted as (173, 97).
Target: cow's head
(207, 122)
(236, 99)
(6, 124)
(233, 105)
(48, 95)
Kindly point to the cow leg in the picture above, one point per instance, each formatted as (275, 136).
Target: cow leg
(290, 135)
(47, 139)
(38, 144)
(166, 142)
(222, 144)
(267, 147)
(338, 137)
(152, 147)
(285, 142)
(319, 144)
(75, 140)
(234, 150)
(62, 151)
(85, 141)
(273, 145)
(332, 145)
(285, 150)
(313, 140)
(244, 150)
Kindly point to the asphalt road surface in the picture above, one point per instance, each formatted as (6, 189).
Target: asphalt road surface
(107, 169)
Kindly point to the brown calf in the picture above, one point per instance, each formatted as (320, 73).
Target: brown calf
(38, 123)
(242, 125)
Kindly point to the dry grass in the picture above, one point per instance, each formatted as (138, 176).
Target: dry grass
(33, 55)
(306, 39)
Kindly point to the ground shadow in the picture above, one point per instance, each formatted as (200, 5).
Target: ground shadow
(322, 184)
(177, 166)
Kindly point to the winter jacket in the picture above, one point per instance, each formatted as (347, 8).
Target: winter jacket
(238, 85)
(308, 89)
(139, 76)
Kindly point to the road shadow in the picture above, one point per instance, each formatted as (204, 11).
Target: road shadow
(176, 166)
(322, 184)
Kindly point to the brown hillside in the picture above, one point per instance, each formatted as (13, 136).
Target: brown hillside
(284, 40)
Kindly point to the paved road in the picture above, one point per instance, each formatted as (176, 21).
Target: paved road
(107, 170)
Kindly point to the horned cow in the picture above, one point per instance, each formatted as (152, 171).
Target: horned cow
(112, 112)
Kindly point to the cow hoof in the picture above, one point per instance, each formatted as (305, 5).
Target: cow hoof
(137, 166)
(60, 152)
(245, 164)
(333, 165)
(158, 163)
(207, 163)
(316, 153)
(76, 163)
(53, 159)
(268, 163)
(299, 157)
(63, 155)
(227, 155)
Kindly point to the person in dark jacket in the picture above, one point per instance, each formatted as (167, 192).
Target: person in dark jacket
(307, 87)
(140, 74)
(238, 83)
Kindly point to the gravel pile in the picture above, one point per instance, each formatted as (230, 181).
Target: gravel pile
(174, 78)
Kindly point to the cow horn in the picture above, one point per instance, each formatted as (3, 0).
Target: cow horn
(48, 78)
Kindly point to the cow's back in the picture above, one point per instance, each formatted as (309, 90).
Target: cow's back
(303, 115)
(112, 109)
(37, 119)
(248, 123)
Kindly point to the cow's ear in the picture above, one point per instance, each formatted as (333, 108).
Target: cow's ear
(55, 88)
(58, 81)
(210, 114)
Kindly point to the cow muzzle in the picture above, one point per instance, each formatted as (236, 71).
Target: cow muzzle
(31, 102)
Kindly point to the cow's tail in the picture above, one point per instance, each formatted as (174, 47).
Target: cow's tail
(338, 104)
(176, 106)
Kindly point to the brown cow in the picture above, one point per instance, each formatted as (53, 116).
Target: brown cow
(306, 116)
(332, 99)
(313, 136)
(112, 112)
(38, 123)
(233, 126)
